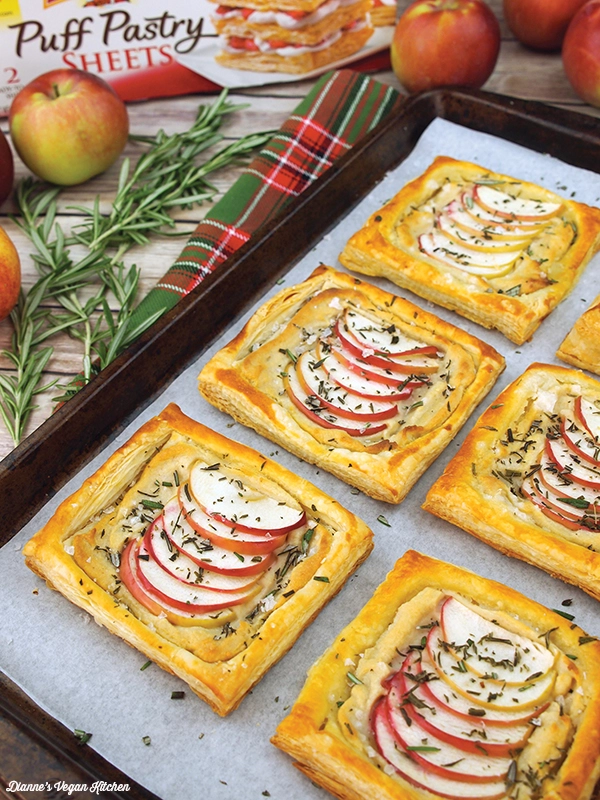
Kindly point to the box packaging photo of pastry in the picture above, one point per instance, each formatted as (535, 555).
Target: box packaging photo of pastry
(351, 549)
(153, 49)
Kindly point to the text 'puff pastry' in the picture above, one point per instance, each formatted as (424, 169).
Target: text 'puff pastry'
(499, 251)
(207, 557)
(527, 478)
(356, 380)
(450, 685)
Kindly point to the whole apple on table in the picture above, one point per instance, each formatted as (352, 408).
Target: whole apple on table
(68, 126)
(444, 43)
(10, 275)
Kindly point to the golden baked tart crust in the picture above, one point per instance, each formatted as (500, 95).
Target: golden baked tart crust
(527, 478)
(207, 557)
(497, 250)
(581, 346)
(450, 685)
(353, 379)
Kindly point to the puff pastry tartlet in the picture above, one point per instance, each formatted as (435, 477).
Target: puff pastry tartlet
(293, 36)
(201, 553)
(450, 685)
(581, 346)
(499, 251)
(353, 379)
(527, 478)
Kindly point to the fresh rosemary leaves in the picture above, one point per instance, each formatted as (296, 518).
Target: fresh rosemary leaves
(72, 292)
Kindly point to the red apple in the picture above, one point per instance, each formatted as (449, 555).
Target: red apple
(445, 42)
(10, 275)
(581, 53)
(540, 24)
(68, 125)
(7, 168)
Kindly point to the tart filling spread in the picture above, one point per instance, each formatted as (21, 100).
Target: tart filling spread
(356, 375)
(463, 703)
(550, 459)
(492, 230)
(201, 552)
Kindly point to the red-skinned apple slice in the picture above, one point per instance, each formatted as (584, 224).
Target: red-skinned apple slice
(444, 723)
(386, 376)
(515, 208)
(581, 443)
(315, 381)
(224, 495)
(381, 339)
(368, 389)
(309, 405)
(478, 241)
(206, 554)
(516, 227)
(416, 360)
(567, 513)
(226, 536)
(553, 512)
(489, 693)
(441, 694)
(560, 484)
(421, 777)
(438, 754)
(488, 265)
(179, 566)
(460, 215)
(176, 616)
(182, 596)
(588, 416)
(514, 659)
(565, 460)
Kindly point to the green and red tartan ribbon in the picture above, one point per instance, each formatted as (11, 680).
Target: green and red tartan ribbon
(341, 108)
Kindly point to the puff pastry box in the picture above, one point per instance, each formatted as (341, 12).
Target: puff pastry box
(106, 547)
(498, 250)
(387, 711)
(400, 425)
(527, 478)
(581, 346)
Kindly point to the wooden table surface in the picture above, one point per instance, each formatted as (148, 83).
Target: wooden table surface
(519, 72)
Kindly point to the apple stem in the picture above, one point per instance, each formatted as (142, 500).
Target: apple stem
(56, 92)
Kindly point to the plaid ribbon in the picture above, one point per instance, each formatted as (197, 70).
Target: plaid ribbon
(341, 108)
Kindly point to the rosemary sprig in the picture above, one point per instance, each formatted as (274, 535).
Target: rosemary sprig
(71, 293)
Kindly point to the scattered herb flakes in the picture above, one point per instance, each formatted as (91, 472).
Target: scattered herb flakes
(564, 614)
(571, 656)
(266, 793)
(423, 748)
(201, 736)
(488, 428)
(81, 736)
(476, 712)
(147, 740)
(498, 405)
(353, 679)
(383, 521)
(145, 666)
(306, 539)
(153, 504)
(322, 578)
(567, 602)
(177, 695)
(587, 639)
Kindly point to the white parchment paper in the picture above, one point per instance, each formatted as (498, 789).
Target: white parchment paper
(91, 680)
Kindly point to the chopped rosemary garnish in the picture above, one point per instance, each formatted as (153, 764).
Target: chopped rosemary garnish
(353, 679)
(322, 578)
(81, 736)
(383, 520)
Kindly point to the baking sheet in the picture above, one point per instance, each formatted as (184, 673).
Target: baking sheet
(91, 680)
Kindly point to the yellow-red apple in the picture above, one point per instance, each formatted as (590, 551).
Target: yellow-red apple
(10, 274)
(444, 43)
(540, 24)
(581, 52)
(7, 168)
(68, 125)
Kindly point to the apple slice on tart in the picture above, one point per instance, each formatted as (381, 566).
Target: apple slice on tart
(380, 715)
